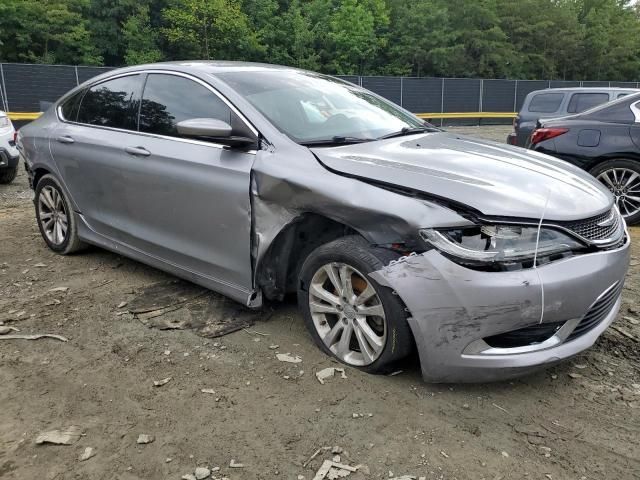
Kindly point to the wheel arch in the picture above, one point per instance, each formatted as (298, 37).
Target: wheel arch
(277, 270)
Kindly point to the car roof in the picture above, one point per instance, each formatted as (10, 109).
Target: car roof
(586, 89)
(220, 66)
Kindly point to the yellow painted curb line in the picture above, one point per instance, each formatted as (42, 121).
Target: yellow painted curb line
(23, 115)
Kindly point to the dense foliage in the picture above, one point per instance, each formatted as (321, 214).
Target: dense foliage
(549, 39)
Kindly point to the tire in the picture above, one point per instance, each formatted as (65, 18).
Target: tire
(624, 170)
(48, 192)
(8, 175)
(355, 257)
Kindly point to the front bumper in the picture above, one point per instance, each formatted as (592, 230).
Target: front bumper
(7, 160)
(455, 310)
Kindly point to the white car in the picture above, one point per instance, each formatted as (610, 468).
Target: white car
(8, 151)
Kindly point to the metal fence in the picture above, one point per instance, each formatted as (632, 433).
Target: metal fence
(31, 88)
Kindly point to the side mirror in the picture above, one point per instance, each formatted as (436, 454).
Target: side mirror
(204, 127)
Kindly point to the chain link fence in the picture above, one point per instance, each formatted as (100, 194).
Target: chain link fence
(32, 88)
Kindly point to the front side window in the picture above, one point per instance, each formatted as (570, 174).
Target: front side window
(311, 107)
(584, 101)
(169, 99)
(113, 103)
(546, 102)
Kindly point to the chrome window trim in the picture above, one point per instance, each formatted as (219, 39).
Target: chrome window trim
(635, 109)
(155, 135)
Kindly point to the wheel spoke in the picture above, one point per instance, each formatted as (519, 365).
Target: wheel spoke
(631, 179)
(332, 335)
(59, 232)
(365, 348)
(45, 215)
(347, 287)
(604, 176)
(63, 218)
(45, 196)
(375, 341)
(334, 278)
(366, 294)
(343, 349)
(372, 311)
(319, 292)
(316, 307)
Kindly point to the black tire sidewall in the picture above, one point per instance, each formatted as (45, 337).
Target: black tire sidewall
(356, 252)
(619, 163)
(8, 175)
(49, 180)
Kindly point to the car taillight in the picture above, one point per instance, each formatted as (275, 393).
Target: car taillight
(542, 134)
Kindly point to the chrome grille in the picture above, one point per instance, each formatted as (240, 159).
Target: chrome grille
(598, 311)
(590, 229)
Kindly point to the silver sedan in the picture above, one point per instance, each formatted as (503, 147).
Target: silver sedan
(257, 181)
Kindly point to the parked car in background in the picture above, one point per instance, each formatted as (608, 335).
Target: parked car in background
(8, 152)
(257, 181)
(558, 102)
(605, 141)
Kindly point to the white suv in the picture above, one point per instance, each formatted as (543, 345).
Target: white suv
(8, 150)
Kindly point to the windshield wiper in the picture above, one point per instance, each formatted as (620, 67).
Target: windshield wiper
(406, 131)
(336, 140)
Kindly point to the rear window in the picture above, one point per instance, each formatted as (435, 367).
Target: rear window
(546, 102)
(584, 101)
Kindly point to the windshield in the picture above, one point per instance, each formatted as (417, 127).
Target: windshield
(310, 107)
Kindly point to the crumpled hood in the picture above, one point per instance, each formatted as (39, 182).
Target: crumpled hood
(496, 179)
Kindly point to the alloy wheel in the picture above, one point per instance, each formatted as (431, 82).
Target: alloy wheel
(347, 314)
(624, 183)
(53, 215)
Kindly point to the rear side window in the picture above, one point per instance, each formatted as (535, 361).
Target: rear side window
(546, 102)
(169, 99)
(70, 107)
(113, 103)
(584, 101)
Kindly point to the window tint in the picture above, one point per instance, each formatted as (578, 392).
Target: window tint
(113, 103)
(546, 102)
(584, 101)
(169, 99)
(70, 107)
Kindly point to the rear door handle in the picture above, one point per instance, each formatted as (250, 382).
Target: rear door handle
(65, 139)
(137, 151)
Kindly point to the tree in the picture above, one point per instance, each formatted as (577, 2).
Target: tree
(209, 29)
(140, 38)
(45, 31)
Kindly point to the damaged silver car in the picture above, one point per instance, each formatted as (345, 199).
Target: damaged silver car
(257, 181)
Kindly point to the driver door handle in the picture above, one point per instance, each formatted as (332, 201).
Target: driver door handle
(65, 139)
(137, 151)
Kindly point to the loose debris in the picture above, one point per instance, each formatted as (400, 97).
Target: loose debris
(233, 464)
(58, 289)
(34, 337)
(178, 305)
(87, 454)
(329, 372)
(143, 439)
(209, 391)
(159, 383)
(333, 470)
(188, 476)
(202, 472)
(5, 330)
(64, 436)
(286, 357)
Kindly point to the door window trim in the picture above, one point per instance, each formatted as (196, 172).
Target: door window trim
(231, 106)
(635, 108)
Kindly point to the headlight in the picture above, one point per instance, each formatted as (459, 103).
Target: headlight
(499, 243)
(4, 122)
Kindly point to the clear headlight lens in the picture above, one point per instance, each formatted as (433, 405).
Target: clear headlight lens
(499, 243)
(4, 122)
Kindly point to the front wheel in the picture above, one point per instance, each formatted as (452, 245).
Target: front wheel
(622, 178)
(349, 315)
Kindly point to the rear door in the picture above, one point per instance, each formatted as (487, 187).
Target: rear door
(88, 149)
(183, 200)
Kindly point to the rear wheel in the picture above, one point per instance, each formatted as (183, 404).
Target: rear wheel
(7, 175)
(56, 220)
(349, 315)
(622, 177)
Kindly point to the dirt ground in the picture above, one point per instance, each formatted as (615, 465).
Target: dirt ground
(579, 420)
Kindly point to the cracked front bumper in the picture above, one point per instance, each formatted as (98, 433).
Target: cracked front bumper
(453, 310)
